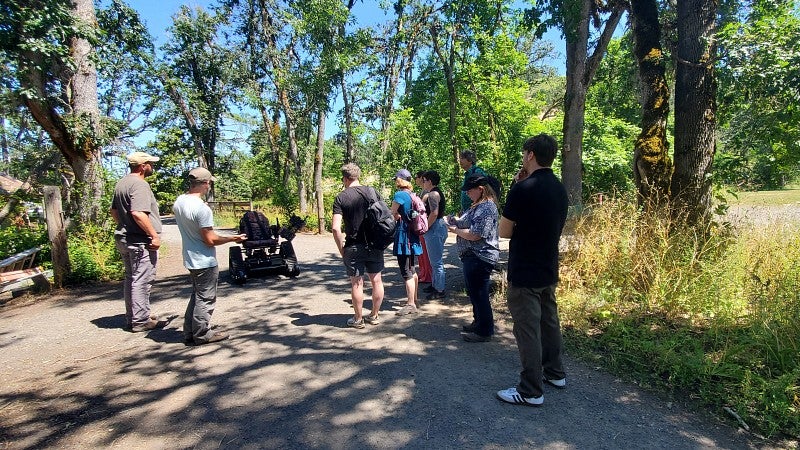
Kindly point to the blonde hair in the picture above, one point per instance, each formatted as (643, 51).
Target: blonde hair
(487, 194)
(401, 183)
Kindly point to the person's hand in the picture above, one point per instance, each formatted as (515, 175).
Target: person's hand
(155, 243)
(240, 238)
(521, 175)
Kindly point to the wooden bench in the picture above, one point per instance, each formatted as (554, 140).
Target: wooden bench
(18, 273)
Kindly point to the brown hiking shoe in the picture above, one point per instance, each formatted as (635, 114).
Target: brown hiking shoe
(149, 325)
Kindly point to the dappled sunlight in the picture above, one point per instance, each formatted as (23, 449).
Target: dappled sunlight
(378, 407)
(292, 375)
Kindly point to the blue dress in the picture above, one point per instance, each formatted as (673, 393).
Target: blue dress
(405, 242)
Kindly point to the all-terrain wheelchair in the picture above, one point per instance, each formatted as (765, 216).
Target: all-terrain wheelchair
(267, 250)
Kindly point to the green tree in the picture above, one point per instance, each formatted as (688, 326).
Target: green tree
(695, 110)
(129, 91)
(759, 118)
(49, 48)
(198, 74)
(573, 18)
(651, 161)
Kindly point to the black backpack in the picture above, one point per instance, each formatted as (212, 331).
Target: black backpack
(378, 226)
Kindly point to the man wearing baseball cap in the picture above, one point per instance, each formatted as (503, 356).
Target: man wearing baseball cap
(135, 211)
(196, 224)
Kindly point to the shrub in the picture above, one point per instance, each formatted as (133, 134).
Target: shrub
(93, 255)
(14, 240)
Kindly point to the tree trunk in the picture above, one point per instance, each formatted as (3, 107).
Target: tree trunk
(576, 31)
(580, 72)
(294, 154)
(651, 163)
(349, 153)
(394, 65)
(5, 156)
(78, 136)
(318, 187)
(87, 164)
(448, 65)
(57, 233)
(695, 110)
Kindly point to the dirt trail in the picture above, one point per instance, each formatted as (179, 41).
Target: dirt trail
(293, 376)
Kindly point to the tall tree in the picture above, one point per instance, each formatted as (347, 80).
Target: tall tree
(129, 90)
(268, 40)
(397, 49)
(575, 16)
(695, 109)
(759, 109)
(49, 45)
(651, 162)
(198, 75)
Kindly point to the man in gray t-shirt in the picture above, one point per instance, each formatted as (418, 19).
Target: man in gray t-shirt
(135, 211)
(196, 224)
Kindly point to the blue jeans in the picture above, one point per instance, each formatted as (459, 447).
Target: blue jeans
(476, 278)
(434, 240)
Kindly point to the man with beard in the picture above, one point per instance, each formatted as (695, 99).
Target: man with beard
(135, 211)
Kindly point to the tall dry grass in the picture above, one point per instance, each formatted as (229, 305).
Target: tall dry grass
(712, 312)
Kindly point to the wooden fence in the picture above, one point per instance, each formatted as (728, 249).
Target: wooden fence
(234, 206)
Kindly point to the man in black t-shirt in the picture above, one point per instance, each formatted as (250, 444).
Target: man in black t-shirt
(534, 216)
(350, 206)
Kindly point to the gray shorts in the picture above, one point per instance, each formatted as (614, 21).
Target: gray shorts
(360, 259)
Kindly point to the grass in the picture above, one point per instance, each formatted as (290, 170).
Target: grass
(766, 198)
(714, 313)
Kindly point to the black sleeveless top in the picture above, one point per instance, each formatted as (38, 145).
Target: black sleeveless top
(442, 204)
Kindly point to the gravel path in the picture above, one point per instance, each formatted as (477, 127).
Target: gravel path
(293, 376)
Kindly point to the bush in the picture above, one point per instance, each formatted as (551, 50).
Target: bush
(93, 255)
(14, 240)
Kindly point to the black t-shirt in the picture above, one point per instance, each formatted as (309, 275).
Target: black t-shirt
(538, 206)
(352, 206)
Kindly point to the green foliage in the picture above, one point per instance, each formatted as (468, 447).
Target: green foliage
(708, 311)
(607, 153)
(14, 240)
(758, 97)
(34, 37)
(93, 256)
(614, 89)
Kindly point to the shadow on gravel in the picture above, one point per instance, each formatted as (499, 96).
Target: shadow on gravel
(294, 377)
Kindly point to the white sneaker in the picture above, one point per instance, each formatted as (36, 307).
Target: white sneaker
(511, 395)
(560, 383)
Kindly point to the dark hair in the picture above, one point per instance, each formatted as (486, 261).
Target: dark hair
(420, 174)
(433, 177)
(469, 156)
(544, 148)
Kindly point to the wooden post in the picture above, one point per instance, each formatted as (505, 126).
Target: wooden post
(57, 234)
